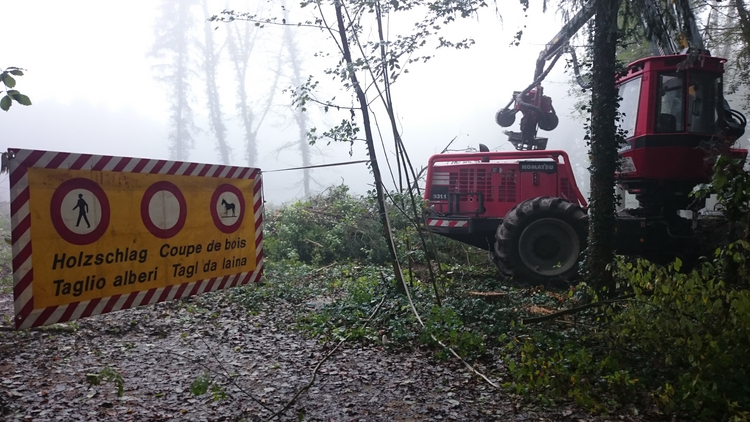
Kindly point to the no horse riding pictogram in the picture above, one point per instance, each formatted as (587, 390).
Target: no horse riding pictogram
(228, 210)
(94, 234)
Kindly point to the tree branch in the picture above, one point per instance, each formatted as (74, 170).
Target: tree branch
(315, 371)
(574, 310)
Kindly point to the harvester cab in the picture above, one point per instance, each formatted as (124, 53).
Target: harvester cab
(675, 119)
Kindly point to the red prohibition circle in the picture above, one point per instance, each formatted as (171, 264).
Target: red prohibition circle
(215, 213)
(146, 217)
(56, 211)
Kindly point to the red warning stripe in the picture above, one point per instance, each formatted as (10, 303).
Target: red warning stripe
(101, 163)
(448, 223)
(120, 166)
(157, 167)
(164, 294)
(57, 160)
(109, 307)
(23, 274)
(256, 175)
(80, 162)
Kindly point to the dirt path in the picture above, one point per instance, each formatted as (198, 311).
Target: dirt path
(160, 350)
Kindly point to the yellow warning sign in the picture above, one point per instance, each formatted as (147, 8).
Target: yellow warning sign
(98, 234)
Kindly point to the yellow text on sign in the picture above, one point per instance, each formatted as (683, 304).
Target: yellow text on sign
(128, 257)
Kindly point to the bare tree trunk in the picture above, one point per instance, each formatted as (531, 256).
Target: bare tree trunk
(210, 64)
(172, 42)
(363, 107)
(604, 144)
(240, 44)
(299, 116)
(744, 16)
(403, 161)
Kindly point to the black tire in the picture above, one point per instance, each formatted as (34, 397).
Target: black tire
(505, 117)
(540, 240)
(548, 122)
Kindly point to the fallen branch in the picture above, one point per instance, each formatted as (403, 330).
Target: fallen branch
(574, 310)
(229, 376)
(489, 296)
(323, 213)
(313, 242)
(443, 345)
(321, 269)
(315, 371)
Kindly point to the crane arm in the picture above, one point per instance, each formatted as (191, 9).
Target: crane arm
(563, 36)
(662, 40)
(670, 30)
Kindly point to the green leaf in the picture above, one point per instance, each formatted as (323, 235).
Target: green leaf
(93, 379)
(5, 103)
(16, 72)
(22, 99)
(718, 305)
(218, 392)
(200, 385)
(8, 80)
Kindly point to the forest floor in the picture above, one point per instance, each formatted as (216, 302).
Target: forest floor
(250, 363)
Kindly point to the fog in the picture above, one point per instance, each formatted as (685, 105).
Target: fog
(95, 89)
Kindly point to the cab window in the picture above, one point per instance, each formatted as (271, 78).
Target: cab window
(670, 110)
(630, 94)
(703, 96)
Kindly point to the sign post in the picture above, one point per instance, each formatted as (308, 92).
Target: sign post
(95, 234)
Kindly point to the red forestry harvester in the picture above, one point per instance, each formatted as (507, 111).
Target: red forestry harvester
(524, 206)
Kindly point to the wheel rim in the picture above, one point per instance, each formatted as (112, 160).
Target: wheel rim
(549, 247)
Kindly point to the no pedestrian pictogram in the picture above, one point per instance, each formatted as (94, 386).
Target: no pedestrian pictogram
(79, 210)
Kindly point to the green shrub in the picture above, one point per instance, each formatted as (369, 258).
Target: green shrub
(552, 368)
(330, 227)
(693, 331)
(358, 292)
(337, 226)
(445, 325)
(681, 340)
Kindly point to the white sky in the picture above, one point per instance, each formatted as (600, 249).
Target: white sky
(92, 50)
(91, 56)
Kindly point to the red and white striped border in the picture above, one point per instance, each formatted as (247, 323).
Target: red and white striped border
(23, 273)
(448, 223)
